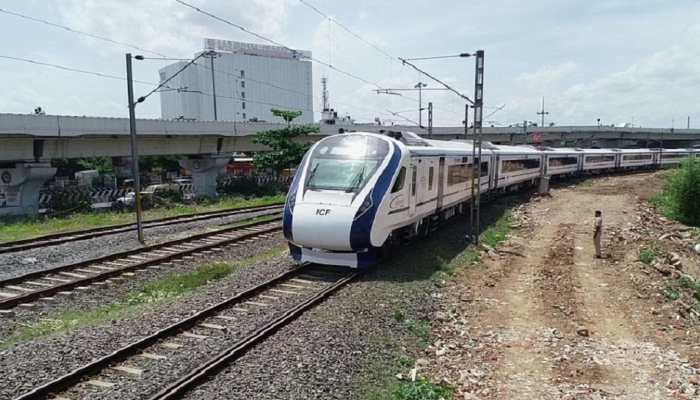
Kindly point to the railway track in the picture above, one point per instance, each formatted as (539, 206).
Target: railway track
(72, 236)
(184, 349)
(63, 280)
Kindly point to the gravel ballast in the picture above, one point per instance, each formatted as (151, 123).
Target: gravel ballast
(22, 262)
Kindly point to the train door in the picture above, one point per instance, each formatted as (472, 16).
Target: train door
(414, 190)
(440, 182)
(492, 172)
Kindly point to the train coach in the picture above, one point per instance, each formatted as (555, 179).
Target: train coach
(356, 194)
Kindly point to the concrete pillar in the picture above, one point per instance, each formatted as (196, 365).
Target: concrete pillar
(19, 187)
(204, 172)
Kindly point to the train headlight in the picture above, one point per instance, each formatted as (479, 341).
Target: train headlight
(365, 206)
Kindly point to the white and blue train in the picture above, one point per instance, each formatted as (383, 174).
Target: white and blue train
(356, 193)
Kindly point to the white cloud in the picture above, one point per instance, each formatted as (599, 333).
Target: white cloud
(169, 27)
(546, 76)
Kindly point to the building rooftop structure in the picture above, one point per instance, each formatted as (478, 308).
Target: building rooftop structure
(248, 80)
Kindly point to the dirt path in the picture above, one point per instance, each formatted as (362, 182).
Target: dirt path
(549, 321)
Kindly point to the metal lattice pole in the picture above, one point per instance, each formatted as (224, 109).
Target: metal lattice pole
(476, 148)
(430, 120)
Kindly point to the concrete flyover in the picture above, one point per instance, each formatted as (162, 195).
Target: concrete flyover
(28, 142)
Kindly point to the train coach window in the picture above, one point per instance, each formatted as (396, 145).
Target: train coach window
(666, 156)
(562, 161)
(398, 184)
(484, 168)
(519, 165)
(600, 159)
(635, 157)
(459, 173)
(430, 178)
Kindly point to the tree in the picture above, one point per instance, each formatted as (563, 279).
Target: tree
(286, 115)
(284, 150)
(69, 166)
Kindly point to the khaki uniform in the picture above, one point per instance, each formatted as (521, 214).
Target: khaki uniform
(598, 236)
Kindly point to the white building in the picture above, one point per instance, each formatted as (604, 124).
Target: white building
(249, 80)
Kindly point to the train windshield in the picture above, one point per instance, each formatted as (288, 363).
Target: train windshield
(345, 162)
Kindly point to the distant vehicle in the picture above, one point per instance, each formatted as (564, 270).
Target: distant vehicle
(183, 181)
(161, 187)
(126, 201)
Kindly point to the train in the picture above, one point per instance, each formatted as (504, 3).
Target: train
(356, 194)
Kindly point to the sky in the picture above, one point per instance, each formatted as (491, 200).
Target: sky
(621, 61)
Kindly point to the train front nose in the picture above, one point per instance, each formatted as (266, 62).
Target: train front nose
(322, 226)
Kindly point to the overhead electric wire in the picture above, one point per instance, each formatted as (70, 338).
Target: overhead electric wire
(124, 44)
(385, 53)
(92, 35)
(348, 30)
(403, 61)
(276, 43)
(450, 88)
(166, 57)
(163, 83)
(71, 69)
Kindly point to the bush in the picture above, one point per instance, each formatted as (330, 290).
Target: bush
(70, 201)
(680, 199)
(251, 186)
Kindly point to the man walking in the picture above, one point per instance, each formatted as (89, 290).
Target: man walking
(598, 233)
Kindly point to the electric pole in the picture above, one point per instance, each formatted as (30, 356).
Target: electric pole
(475, 223)
(543, 112)
(420, 86)
(211, 54)
(430, 120)
(134, 150)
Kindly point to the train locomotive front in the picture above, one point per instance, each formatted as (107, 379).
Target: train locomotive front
(335, 197)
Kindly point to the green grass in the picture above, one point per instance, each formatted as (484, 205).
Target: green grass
(167, 288)
(672, 293)
(170, 287)
(419, 328)
(687, 282)
(680, 198)
(498, 232)
(422, 389)
(32, 227)
(435, 259)
(648, 256)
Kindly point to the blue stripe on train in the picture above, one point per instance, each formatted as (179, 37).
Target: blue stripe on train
(361, 227)
(291, 198)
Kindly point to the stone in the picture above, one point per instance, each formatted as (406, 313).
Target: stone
(583, 332)
(441, 316)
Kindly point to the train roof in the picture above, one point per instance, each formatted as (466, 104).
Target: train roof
(628, 151)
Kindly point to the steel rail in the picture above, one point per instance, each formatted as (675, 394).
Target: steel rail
(212, 366)
(26, 297)
(67, 380)
(71, 236)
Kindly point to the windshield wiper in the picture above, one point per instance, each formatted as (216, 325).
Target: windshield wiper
(357, 181)
(311, 174)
